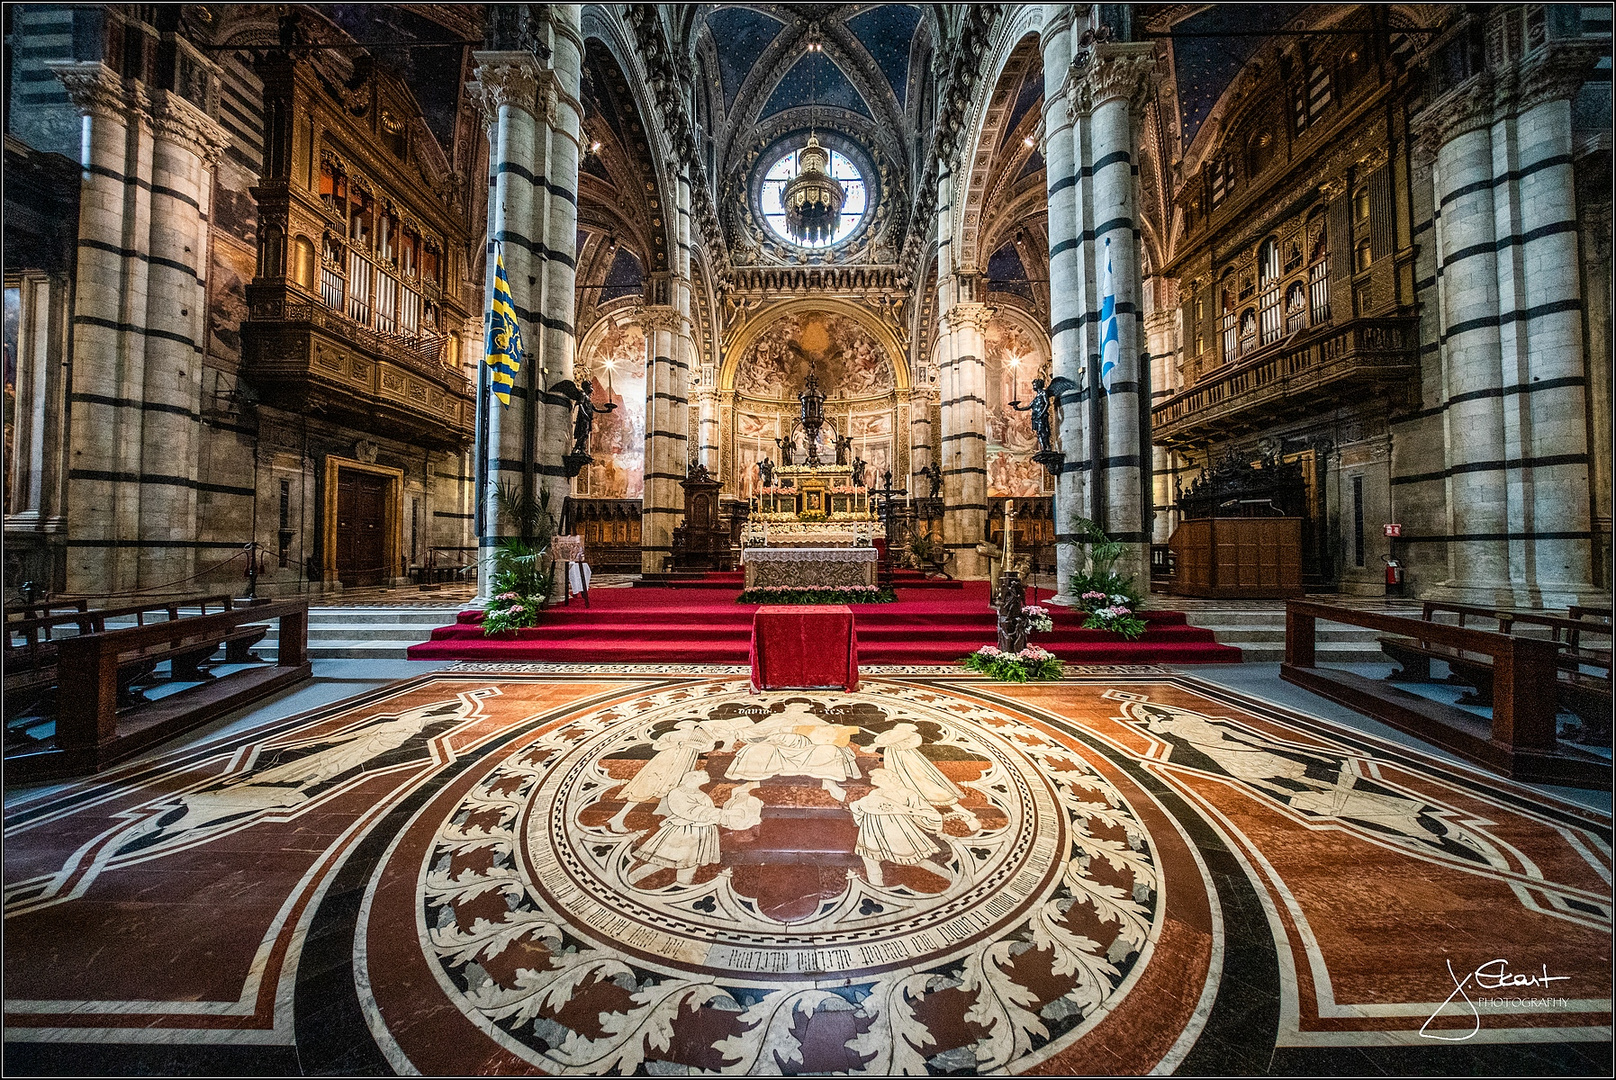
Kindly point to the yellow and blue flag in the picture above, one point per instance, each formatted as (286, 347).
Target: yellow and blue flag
(504, 356)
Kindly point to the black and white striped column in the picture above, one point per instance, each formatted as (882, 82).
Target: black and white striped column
(1514, 364)
(508, 85)
(965, 441)
(138, 323)
(561, 128)
(1115, 81)
(1068, 300)
(534, 127)
(666, 440)
(185, 146)
(1546, 425)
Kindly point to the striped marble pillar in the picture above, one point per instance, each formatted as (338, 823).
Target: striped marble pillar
(1115, 81)
(965, 441)
(666, 415)
(107, 388)
(186, 143)
(686, 354)
(1161, 332)
(555, 201)
(1067, 302)
(507, 84)
(1546, 423)
(1467, 290)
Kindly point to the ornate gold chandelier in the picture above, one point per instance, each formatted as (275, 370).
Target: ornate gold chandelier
(813, 198)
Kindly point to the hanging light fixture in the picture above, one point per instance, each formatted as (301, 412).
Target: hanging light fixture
(813, 198)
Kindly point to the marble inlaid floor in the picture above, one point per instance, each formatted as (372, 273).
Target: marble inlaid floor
(655, 871)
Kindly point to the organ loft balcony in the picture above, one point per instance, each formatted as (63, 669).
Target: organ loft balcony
(303, 354)
(1312, 372)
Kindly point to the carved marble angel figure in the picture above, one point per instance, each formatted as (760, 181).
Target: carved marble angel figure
(890, 821)
(688, 838)
(901, 756)
(797, 743)
(676, 754)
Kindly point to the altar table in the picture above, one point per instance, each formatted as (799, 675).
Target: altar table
(802, 646)
(809, 567)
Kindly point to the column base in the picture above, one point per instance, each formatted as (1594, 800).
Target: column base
(1548, 597)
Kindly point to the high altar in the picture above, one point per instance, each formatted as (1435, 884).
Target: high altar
(814, 494)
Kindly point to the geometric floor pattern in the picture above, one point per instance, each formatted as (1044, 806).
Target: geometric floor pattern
(659, 872)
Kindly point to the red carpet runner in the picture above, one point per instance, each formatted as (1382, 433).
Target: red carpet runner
(704, 625)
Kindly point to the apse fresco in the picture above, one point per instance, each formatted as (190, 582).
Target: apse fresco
(754, 439)
(615, 361)
(872, 441)
(846, 357)
(1014, 358)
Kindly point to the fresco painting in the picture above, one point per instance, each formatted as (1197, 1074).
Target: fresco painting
(847, 359)
(1014, 358)
(615, 361)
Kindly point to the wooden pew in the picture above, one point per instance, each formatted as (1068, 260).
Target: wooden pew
(1519, 741)
(31, 647)
(1583, 684)
(92, 731)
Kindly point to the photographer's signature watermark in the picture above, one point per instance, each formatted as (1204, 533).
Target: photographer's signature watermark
(1493, 976)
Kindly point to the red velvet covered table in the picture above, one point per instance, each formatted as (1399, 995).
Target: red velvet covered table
(797, 646)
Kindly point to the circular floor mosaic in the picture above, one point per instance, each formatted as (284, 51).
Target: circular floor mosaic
(703, 878)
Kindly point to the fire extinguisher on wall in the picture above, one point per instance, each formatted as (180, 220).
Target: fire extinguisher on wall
(1394, 576)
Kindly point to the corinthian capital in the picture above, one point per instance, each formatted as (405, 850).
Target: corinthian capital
(969, 316)
(1120, 70)
(1466, 108)
(1554, 73)
(660, 317)
(178, 120)
(507, 78)
(95, 89)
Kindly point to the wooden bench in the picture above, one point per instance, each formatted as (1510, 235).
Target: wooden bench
(46, 607)
(96, 725)
(1583, 670)
(1520, 740)
(31, 647)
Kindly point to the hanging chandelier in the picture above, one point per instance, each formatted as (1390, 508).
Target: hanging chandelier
(813, 199)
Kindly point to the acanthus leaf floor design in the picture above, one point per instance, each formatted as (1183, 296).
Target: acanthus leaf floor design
(660, 872)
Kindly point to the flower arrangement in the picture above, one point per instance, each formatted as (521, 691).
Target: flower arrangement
(829, 594)
(511, 611)
(1031, 663)
(521, 581)
(811, 515)
(1109, 599)
(1111, 611)
(1039, 620)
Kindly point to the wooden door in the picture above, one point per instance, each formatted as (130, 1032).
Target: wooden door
(361, 528)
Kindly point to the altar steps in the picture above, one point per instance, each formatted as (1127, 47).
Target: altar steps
(677, 626)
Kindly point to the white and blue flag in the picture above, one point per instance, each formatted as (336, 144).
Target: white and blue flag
(1110, 336)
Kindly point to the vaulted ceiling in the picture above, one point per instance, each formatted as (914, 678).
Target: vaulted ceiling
(755, 71)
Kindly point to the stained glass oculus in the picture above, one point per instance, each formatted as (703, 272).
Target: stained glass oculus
(855, 198)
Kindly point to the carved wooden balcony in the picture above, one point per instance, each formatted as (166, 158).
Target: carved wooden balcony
(301, 354)
(1286, 380)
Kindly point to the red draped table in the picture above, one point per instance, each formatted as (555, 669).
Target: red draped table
(804, 645)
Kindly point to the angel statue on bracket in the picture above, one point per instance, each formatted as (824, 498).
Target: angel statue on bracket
(1045, 397)
(582, 397)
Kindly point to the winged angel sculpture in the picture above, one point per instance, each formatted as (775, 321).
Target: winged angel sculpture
(1045, 398)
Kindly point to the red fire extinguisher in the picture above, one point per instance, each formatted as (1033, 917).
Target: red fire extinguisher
(1394, 576)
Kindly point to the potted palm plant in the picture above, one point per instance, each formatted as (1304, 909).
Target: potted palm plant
(522, 581)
